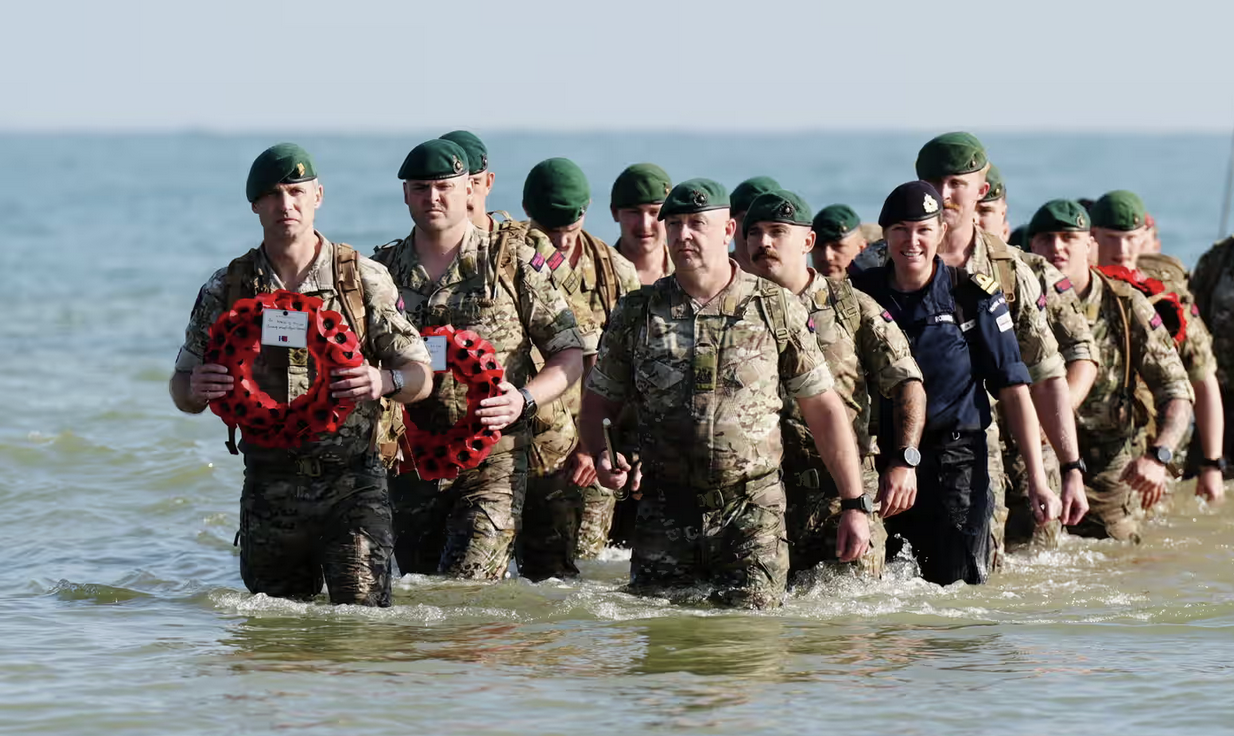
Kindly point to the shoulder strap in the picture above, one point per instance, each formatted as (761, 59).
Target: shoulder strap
(351, 290)
(844, 301)
(242, 278)
(606, 275)
(773, 301)
(1004, 264)
(1122, 313)
(504, 261)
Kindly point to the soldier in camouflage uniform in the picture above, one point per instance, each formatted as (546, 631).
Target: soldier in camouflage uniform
(840, 237)
(1133, 345)
(704, 356)
(1119, 217)
(863, 346)
(450, 273)
(635, 202)
(568, 514)
(1212, 284)
(956, 164)
(992, 209)
(743, 194)
(479, 176)
(320, 512)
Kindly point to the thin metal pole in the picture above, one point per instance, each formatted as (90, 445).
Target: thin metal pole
(1225, 201)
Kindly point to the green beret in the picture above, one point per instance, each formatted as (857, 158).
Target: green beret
(1058, 216)
(556, 193)
(1119, 210)
(913, 201)
(640, 184)
(694, 195)
(950, 154)
(282, 163)
(477, 153)
(1019, 237)
(835, 222)
(747, 190)
(434, 160)
(997, 190)
(777, 206)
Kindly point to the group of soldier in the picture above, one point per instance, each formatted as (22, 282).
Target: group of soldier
(923, 384)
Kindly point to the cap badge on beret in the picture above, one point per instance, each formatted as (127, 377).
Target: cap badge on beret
(786, 210)
(699, 198)
(667, 188)
(1135, 220)
(843, 227)
(929, 204)
(458, 165)
(1079, 220)
(299, 169)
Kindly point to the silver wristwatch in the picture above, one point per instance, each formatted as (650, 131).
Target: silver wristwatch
(396, 380)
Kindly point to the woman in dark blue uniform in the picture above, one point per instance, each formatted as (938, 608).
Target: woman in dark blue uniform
(961, 334)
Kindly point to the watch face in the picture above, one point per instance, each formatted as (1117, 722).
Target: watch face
(1163, 454)
(912, 456)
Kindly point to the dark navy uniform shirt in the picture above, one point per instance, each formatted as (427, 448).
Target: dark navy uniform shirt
(961, 336)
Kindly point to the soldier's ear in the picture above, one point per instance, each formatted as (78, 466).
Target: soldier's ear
(811, 237)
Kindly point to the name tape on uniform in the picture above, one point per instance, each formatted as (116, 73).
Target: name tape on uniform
(1003, 321)
(436, 345)
(284, 328)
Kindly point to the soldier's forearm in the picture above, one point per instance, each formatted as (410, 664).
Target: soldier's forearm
(1080, 377)
(1056, 415)
(560, 372)
(909, 414)
(178, 387)
(417, 382)
(1209, 416)
(594, 410)
(1017, 406)
(828, 421)
(1173, 420)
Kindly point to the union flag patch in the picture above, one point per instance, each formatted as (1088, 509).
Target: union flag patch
(1062, 286)
(556, 260)
(887, 316)
(537, 261)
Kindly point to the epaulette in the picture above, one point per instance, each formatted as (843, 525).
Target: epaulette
(987, 283)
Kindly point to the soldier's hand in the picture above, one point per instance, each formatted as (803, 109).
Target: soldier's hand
(1044, 503)
(1148, 477)
(1075, 500)
(611, 477)
(1210, 485)
(582, 468)
(209, 381)
(853, 539)
(361, 383)
(897, 490)
(499, 412)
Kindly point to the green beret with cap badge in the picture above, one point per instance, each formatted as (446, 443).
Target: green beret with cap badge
(912, 201)
(950, 154)
(694, 195)
(1058, 216)
(747, 190)
(640, 184)
(434, 160)
(835, 222)
(777, 206)
(477, 152)
(556, 193)
(997, 189)
(1119, 210)
(282, 163)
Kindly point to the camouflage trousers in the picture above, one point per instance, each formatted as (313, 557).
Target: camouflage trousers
(1021, 527)
(998, 490)
(737, 543)
(949, 525)
(299, 530)
(1112, 504)
(464, 527)
(561, 524)
(813, 522)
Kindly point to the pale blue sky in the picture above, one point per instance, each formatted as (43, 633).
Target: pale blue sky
(389, 65)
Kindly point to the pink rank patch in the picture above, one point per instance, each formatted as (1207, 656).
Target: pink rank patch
(1155, 321)
(810, 324)
(887, 316)
(537, 261)
(1195, 310)
(1041, 302)
(400, 306)
(556, 260)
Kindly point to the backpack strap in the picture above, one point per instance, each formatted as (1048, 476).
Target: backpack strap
(1126, 320)
(844, 302)
(1004, 265)
(350, 289)
(606, 274)
(773, 301)
(506, 265)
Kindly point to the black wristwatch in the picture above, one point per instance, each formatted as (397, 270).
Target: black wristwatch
(1079, 465)
(1219, 464)
(1160, 453)
(862, 503)
(529, 407)
(908, 457)
(396, 380)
